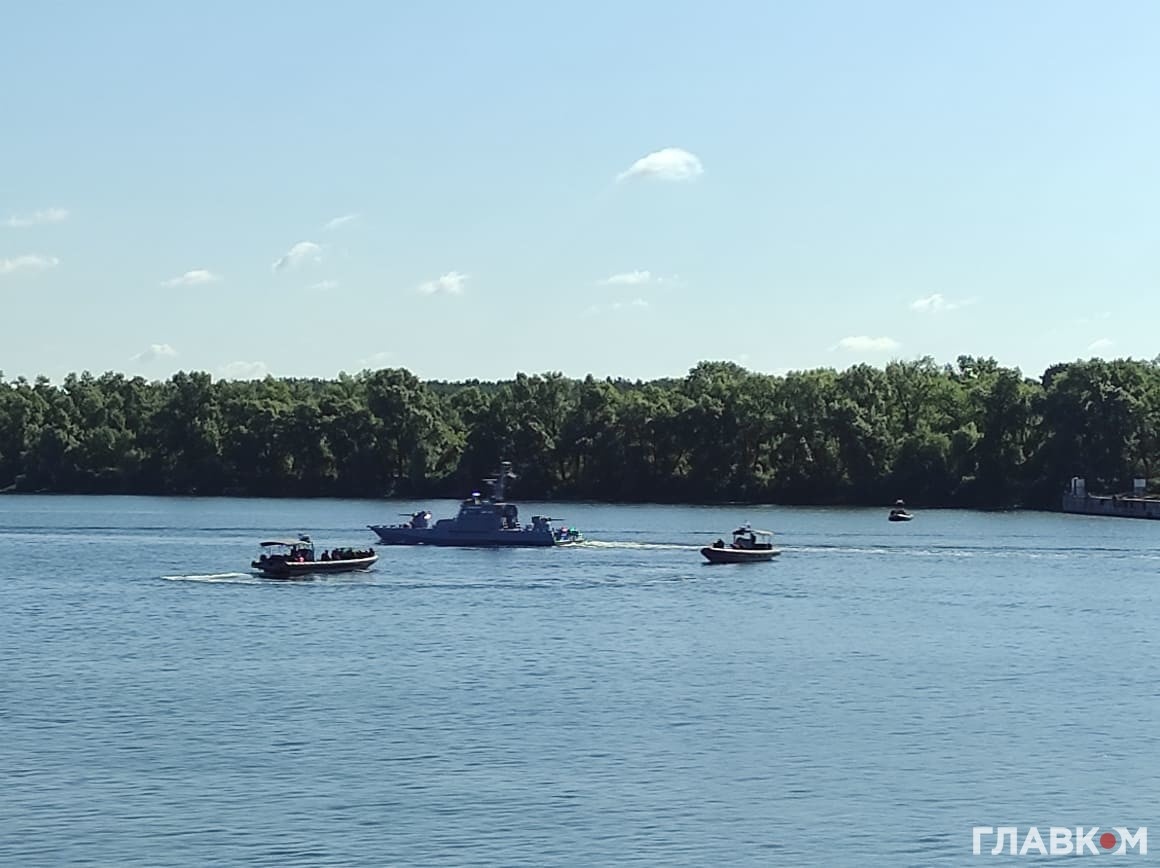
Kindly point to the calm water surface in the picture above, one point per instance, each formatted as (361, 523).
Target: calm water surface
(863, 700)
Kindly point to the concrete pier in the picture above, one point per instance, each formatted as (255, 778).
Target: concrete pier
(1136, 505)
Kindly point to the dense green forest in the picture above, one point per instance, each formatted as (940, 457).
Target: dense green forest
(970, 434)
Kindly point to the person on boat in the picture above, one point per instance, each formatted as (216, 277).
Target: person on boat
(720, 544)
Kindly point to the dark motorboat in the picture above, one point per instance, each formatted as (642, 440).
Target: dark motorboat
(748, 546)
(293, 559)
(482, 521)
(899, 512)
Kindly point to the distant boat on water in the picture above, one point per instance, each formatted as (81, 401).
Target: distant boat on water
(481, 521)
(899, 512)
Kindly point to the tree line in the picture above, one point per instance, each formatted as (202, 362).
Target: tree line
(972, 434)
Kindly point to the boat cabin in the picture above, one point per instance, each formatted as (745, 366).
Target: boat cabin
(749, 539)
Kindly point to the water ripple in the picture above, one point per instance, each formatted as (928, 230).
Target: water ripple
(612, 703)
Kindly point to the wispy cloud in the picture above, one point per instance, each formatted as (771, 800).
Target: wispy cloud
(300, 254)
(37, 218)
(641, 277)
(335, 222)
(324, 285)
(938, 303)
(375, 360)
(628, 278)
(635, 304)
(865, 343)
(1100, 344)
(667, 164)
(243, 371)
(28, 262)
(450, 283)
(192, 278)
(155, 352)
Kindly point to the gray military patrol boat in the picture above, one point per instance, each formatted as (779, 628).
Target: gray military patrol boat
(482, 521)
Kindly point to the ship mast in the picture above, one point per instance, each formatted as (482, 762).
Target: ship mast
(497, 482)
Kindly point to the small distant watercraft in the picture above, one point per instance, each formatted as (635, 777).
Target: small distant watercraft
(482, 521)
(292, 559)
(899, 512)
(748, 546)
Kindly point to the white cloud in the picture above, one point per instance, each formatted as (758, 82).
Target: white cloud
(324, 285)
(36, 218)
(299, 254)
(937, 303)
(335, 222)
(192, 278)
(375, 360)
(28, 262)
(930, 303)
(155, 352)
(667, 164)
(450, 283)
(864, 343)
(243, 371)
(1100, 344)
(628, 278)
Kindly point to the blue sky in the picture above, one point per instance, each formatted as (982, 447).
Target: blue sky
(470, 190)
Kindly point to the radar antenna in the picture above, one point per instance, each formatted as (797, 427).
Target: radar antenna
(497, 482)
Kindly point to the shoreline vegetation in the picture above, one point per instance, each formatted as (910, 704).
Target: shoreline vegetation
(973, 434)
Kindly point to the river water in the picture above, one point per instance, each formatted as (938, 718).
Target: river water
(865, 699)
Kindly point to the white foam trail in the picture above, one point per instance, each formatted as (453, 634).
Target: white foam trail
(603, 544)
(212, 577)
(838, 550)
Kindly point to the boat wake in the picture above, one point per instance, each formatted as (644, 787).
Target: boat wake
(844, 550)
(228, 578)
(605, 544)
